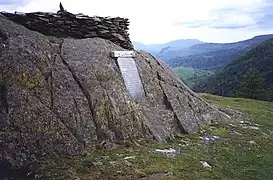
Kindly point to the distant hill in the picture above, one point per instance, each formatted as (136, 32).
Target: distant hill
(210, 55)
(155, 49)
(207, 61)
(249, 76)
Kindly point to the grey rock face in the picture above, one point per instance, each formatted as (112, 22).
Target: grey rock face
(63, 94)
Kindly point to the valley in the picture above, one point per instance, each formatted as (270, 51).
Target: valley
(192, 76)
(222, 68)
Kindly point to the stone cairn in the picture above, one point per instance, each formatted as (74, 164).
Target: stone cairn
(65, 24)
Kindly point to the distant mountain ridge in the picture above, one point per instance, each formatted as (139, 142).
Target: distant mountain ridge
(249, 76)
(240, 44)
(172, 45)
(213, 60)
(211, 56)
(200, 59)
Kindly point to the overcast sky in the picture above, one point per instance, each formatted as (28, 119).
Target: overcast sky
(159, 21)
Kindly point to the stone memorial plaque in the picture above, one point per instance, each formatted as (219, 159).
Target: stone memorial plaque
(129, 72)
(131, 76)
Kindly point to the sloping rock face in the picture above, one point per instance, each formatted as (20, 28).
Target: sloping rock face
(57, 96)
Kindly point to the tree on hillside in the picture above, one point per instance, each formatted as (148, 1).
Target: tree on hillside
(270, 91)
(252, 86)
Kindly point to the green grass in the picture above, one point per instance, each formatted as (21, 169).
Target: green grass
(260, 112)
(233, 158)
(192, 76)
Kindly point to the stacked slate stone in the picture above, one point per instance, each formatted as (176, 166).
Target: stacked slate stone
(65, 24)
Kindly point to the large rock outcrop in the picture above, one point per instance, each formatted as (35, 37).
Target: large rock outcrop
(58, 95)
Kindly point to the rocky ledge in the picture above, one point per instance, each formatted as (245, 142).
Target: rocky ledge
(65, 24)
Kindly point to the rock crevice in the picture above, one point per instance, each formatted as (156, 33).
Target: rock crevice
(83, 90)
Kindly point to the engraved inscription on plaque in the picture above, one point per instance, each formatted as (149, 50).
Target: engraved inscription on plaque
(131, 77)
(129, 72)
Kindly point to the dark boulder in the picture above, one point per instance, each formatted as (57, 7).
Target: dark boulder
(61, 95)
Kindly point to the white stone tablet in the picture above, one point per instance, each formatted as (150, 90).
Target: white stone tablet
(129, 73)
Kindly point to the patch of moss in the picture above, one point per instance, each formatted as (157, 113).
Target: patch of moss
(30, 81)
(100, 113)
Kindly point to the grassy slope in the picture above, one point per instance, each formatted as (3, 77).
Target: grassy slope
(192, 76)
(234, 158)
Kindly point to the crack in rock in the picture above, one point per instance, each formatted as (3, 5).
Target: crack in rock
(91, 104)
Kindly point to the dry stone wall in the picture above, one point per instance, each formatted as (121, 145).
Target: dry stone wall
(65, 24)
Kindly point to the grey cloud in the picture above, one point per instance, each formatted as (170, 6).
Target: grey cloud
(13, 2)
(194, 24)
(263, 18)
(221, 11)
(220, 15)
(265, 22)
(216, 24)
(10, 2)
(11, 5)
(231, 26)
